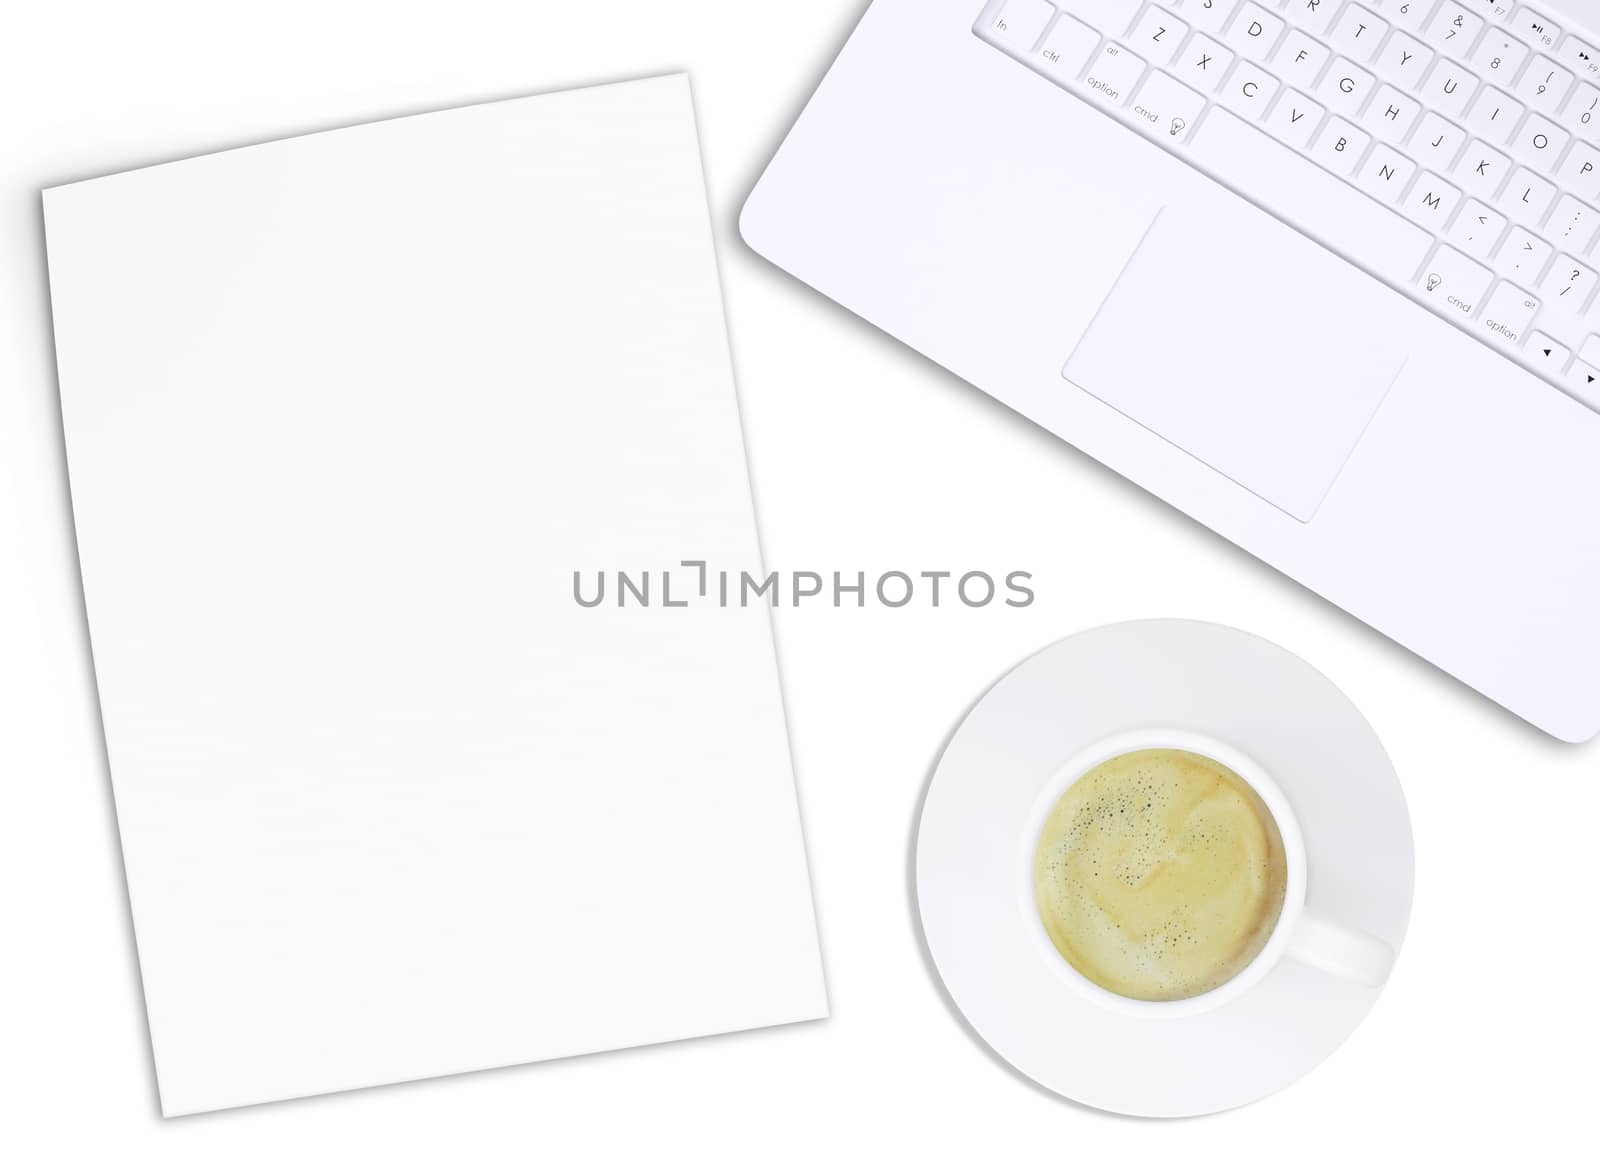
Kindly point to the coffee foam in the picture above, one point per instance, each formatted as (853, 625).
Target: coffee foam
(1160, 874)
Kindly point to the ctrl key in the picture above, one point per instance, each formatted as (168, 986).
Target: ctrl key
(1453, 283)
(1067, 49)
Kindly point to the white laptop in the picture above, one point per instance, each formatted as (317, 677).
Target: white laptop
(1321, 273)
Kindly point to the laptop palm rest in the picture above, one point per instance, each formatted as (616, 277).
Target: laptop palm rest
(1245, 368)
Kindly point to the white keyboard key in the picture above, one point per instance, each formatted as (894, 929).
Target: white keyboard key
(1544, 85)
(1581, 114)
(1294, 119)
(1315, 16)
(1483, 170)
(1548, 355)
(1523, 256)
(1113, 72)
(1411, 14)
(1322, 206)
(1431, 202)
(1299, 59)
(1494, 116)
(1255, 32)
(1203, 64)
(1404, 60)
(1498, 57)
(1477, 230)
(1589, 350)
(1568, 285)
(1067, 49)
(1345, 87)
(1438, 142)
(1573, 225)
(1583, 59)
(1020, 23)
(1391, 114)
(1358, 33)
(1448, 88)
(1385, 173)
(1537, 29)
(1341, 146)
(1540, 142)
(1167, 108)
(1454, 283)
(1158, 36)
(1453, 29)
(1250, 90)
(1210, 15)
(1580, 171)
(1527, 197)
(1508, 312)
(1584, 383)
(1111, 17)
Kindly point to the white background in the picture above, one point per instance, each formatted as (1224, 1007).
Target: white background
(865, 457)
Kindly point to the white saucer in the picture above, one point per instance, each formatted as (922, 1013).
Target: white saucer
(1214, 681)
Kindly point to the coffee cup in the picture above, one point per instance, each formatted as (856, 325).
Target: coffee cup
(1135, 798)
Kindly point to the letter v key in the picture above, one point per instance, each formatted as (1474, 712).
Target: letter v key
(1294, 119)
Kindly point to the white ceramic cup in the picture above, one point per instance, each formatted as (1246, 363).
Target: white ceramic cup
(1299, 935)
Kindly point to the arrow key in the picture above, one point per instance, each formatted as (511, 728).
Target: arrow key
(1547, 355)
(1584, 382)
(1477, 229)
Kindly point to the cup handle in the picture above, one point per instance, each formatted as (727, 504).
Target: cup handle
(1342, 952)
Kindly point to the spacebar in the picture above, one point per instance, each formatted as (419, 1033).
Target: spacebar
(1273, 176)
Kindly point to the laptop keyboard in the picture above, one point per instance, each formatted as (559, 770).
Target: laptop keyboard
(1451, 148)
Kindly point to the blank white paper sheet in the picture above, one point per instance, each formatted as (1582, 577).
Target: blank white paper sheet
(344, 415)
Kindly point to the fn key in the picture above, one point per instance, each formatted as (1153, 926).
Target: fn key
(1019, 23)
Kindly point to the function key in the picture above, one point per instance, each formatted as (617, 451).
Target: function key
(1496, 10)
(1536, 28)
(1580, 57)
(1020, 23)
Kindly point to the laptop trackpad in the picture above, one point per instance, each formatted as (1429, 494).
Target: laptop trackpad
(1248, 369)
